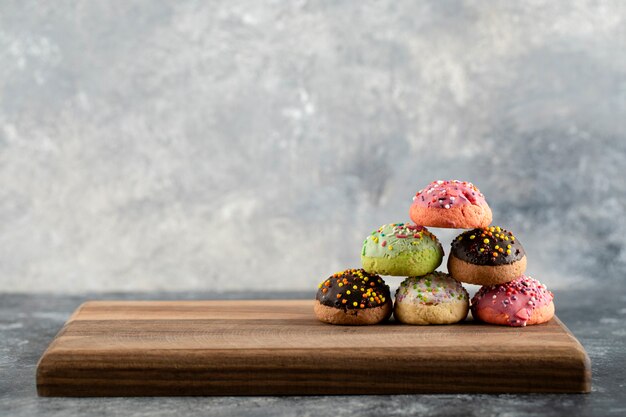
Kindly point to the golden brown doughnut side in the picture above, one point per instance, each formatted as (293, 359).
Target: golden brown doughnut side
(353, 317)
(444, 313)
(485, 274)
(459, 217)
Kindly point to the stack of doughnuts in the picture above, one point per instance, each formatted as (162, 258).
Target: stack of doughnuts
(486, 255)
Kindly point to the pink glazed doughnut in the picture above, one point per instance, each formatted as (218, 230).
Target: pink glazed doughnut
(450, 204)
(523, 301)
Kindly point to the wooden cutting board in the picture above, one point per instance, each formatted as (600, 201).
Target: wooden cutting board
(139, 348)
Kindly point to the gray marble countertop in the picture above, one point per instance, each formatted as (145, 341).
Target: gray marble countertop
(29, 322)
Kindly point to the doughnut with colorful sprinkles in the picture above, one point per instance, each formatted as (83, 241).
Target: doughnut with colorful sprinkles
(354, 297)
(450, 204)
(401, 249)
(521, 302)
(487, 256)
(435, 298)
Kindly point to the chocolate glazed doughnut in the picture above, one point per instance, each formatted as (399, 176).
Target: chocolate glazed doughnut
(353, 297)
(487, 256)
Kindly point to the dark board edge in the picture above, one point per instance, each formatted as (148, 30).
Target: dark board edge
(582, 359)
(42, 363)
(82, 375)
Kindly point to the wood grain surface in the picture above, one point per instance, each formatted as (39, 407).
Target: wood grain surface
(165, 348)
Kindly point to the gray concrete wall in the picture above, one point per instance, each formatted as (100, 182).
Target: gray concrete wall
(253, 144)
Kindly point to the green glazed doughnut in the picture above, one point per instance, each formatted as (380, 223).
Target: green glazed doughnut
(401, 249)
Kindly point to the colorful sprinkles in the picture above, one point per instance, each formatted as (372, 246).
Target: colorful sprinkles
(431, 289)
(366, 290)
(488, 246)
(516, 299)
(448, 194)
(396, 238)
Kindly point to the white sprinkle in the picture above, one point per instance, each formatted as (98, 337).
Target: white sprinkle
(452, 198)
(414, 197)
(494, 296)
(439, 182)
(447, 206)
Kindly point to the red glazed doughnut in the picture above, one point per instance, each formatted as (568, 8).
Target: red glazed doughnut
(450, 204)
(523, 301)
